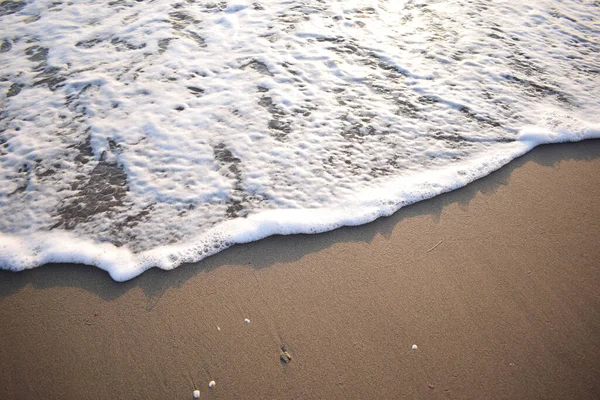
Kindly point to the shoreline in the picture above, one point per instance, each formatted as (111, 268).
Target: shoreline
(66, 247)
(496, 283)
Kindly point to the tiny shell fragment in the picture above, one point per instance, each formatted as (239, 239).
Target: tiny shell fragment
(212, 384)
(196, 394)
(285, 357)
(414, 347)
(247, 321)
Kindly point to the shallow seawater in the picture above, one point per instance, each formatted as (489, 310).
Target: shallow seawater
(143, 133)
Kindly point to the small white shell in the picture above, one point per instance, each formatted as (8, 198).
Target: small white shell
(414, 347)
(212, 384)
(218, 328)
(246, 321)
(196, 394)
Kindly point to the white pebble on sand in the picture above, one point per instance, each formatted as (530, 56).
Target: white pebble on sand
(414, 347)
(246, 321)
(196, 394)
(212, 384)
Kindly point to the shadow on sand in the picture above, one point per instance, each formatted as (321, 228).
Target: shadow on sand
(260, 255)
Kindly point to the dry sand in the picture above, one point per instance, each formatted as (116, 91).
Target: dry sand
(498, 284)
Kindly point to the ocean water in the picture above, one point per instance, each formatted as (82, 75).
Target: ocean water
(150, 133)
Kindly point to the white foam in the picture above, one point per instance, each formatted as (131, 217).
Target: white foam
(142, 130)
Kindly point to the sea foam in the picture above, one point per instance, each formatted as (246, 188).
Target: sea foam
(139, 134)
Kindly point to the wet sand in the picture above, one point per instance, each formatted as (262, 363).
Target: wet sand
(498, 285)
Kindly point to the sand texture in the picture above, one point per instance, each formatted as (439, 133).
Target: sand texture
(497, 284)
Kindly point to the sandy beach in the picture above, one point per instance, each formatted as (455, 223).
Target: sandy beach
(497, 284)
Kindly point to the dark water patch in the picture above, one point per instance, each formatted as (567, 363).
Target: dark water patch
(279, 127)
(347, 100)
(336, 39)
(347, 48)
(180, 20)
(470, 114)
(130, 18)
(387, 92)
(521, 62)
(229, 165)
(457, 140)
(366, 11)
(33, 18)
(8, 7)
(37, 54)
(235, 208)
(505, 140)
(196, 91)
(85, 153)
(5, 46)
(55, 6)
(557, 14)
(407, 108)
(88, 44)
(24, 177)
(363, 56)
(427, 99)
(3, 144)
(163, 45)
(312, 7)
(132, 220)
(114, 147)
(104, 191)
(289, 68)
(227, 160)
(216, 7)
(70, 98)
(587, 69)
(14, 89)
(121, 3)
(271, 37)
(354, 129)
(282, 126)
(50, 77)
(345, 160)
(452, 140)
(358, 130)
(197, 38)
(258, 66)
(123, 45)
(407, 15)
(538, 90)
(292, 19)
(304, 111)
(377, 172)
(460, 55)
(579, 41)
(44, 173)
(375, 61)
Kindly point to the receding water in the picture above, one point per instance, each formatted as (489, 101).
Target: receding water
(148, 133)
